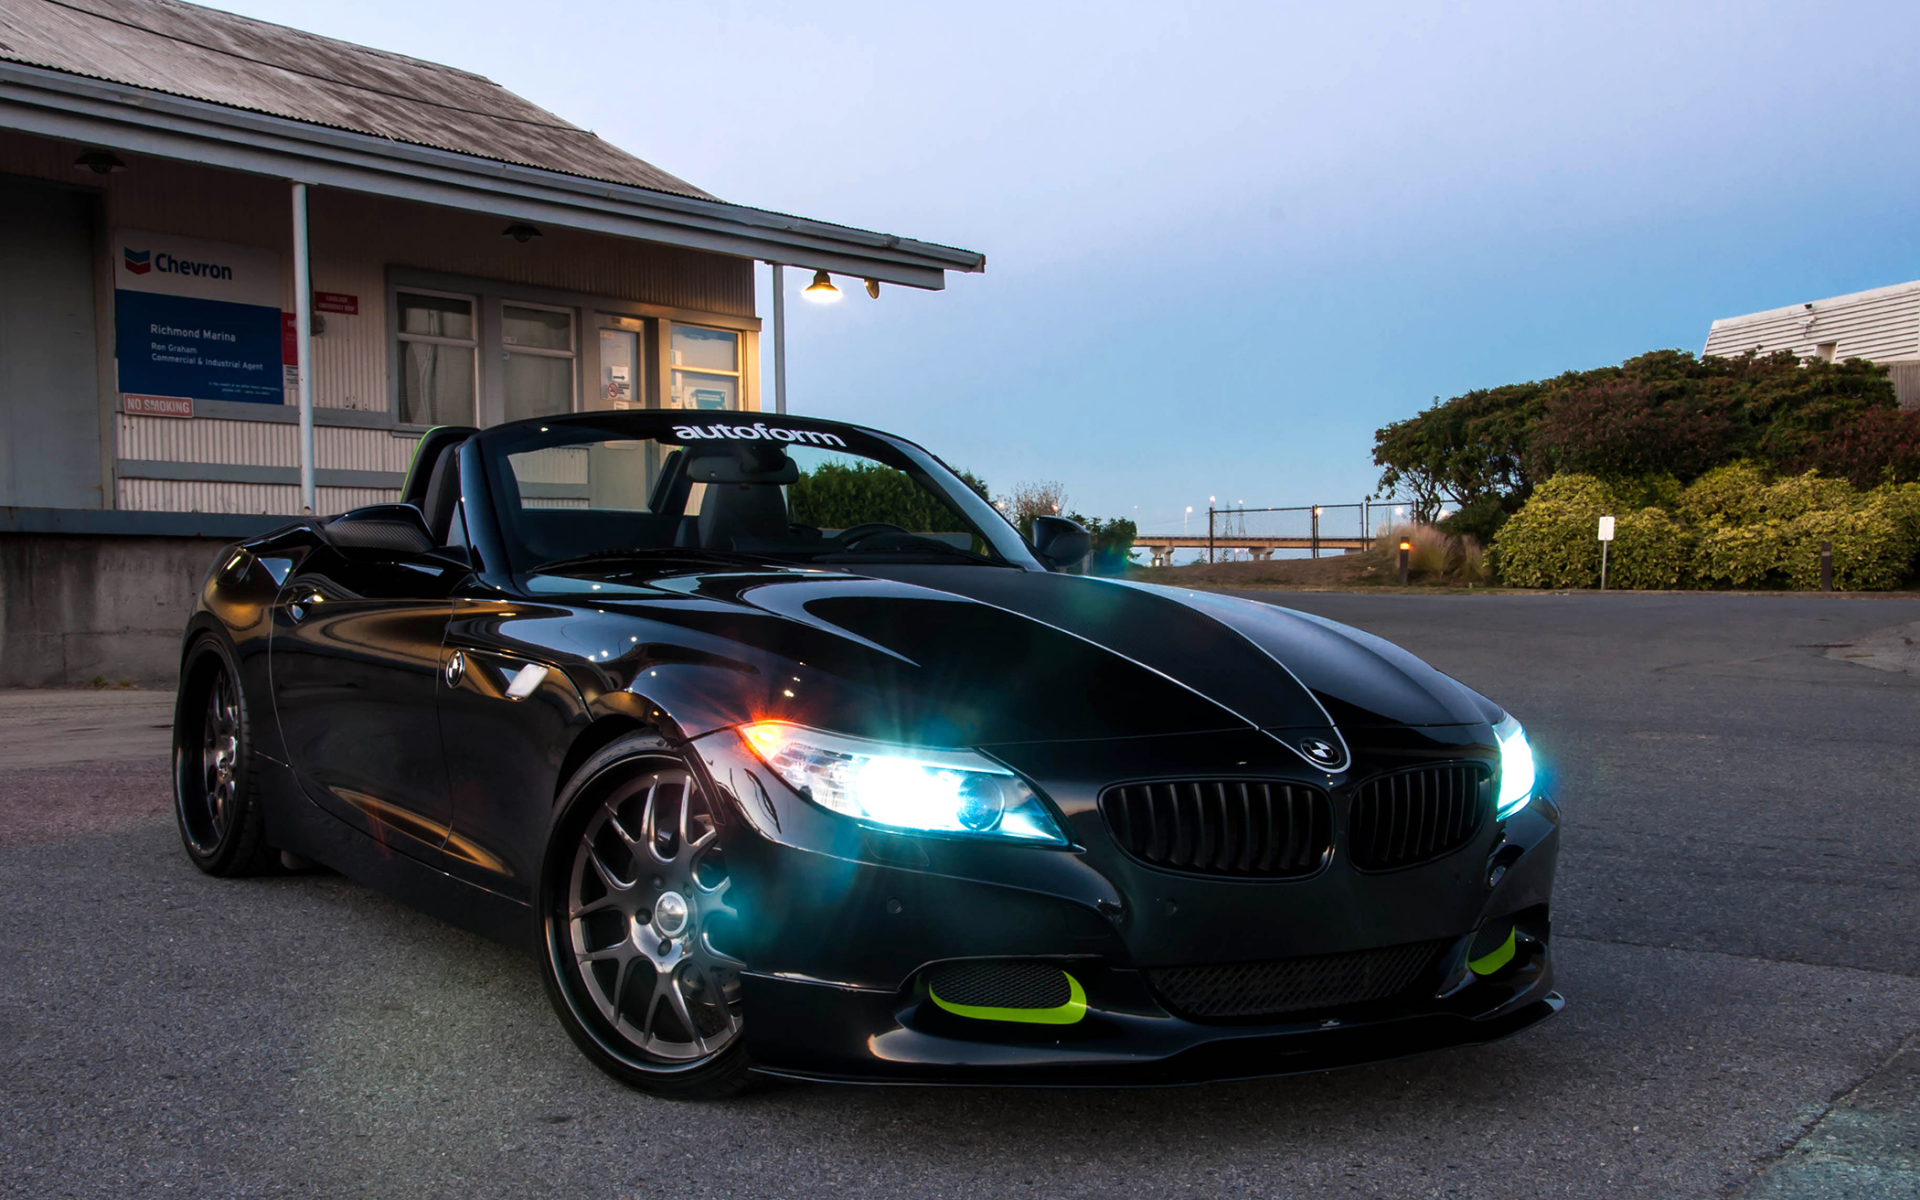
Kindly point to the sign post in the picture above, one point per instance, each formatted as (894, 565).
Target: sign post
(1606, 539)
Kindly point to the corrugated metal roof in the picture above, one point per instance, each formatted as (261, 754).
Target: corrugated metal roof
(204, 54)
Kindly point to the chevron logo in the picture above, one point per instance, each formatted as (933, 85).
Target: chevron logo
(139, 262)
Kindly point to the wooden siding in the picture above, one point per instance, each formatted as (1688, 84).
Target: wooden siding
(166, 439)
(180, 495)
(1880, 324)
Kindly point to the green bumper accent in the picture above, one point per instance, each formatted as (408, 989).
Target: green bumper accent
(1066, 1014)
(1495, 959)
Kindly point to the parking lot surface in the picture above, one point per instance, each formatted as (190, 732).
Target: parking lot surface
(1735, 925)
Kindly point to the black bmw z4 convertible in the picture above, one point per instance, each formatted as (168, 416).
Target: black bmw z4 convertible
(785, 753)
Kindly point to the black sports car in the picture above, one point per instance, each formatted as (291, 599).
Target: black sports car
(786, 753)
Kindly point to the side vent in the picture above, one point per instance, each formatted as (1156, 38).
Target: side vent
(1033, 993)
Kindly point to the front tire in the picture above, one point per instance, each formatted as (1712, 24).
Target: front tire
(215, 799)
(633, 881)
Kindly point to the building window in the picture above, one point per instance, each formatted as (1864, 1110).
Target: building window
(539, 351)
(437, 359)
(706, 368)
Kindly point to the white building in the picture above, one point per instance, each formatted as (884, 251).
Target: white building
(1882, 326)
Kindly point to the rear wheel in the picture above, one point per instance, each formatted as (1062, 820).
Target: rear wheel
(214, 798)
(634, 882)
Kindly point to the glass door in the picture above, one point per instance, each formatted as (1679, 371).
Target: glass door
(620, 382)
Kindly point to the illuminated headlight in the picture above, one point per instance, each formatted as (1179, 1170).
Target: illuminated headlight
(952, 792)
(1516, 767)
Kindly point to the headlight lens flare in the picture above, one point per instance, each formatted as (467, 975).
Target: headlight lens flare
(909, 788)
(1516, 767)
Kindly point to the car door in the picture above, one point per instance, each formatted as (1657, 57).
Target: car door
(507, 714)
(355, 662)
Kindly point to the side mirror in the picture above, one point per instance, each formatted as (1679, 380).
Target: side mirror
(1062, 544)
(380, 531)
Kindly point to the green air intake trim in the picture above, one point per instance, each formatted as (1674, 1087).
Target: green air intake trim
(1065, 1014)
(1495, 959)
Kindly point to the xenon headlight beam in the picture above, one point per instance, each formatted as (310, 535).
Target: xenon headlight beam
(1516, 767)
(956, 793)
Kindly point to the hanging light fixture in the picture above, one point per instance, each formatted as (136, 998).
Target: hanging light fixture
(821, 290)
(100, 162)
(520, 232)
(873, 288)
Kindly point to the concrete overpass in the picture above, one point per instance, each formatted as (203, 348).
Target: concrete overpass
(1162, 545)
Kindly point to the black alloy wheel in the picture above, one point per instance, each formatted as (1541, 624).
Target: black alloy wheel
(221, 823)
(633, 886)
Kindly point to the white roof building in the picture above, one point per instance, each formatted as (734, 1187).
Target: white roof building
(1881, 325)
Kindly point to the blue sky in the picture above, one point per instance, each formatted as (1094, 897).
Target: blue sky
(1226, 242)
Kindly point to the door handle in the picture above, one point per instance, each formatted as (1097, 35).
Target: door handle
(456, 669)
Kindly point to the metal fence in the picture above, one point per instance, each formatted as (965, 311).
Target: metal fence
(1311, 523)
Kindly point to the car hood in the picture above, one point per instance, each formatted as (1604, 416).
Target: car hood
(962, 655)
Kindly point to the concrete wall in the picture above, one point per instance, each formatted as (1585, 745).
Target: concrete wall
(73, 607)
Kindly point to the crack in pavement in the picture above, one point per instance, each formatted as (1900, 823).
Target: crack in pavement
(1865, 1142)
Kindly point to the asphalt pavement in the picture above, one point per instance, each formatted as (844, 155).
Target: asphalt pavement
(1735, 922)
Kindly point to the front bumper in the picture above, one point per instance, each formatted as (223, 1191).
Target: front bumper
(838, 927)
(807, 1030)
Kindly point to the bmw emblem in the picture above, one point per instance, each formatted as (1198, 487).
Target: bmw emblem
(1322, 752)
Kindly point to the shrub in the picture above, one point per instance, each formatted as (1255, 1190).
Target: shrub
(1901, 503)
(1646, 491)
(1798, 495)
(1871, 446)
(1729, 494)
(1553, 541)
(1650, 550)
(1741, 556)
(1870, 551)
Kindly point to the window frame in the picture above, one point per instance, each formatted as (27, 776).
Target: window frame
(738, 374)
(592, 311)
(501, 303)
(398, 335)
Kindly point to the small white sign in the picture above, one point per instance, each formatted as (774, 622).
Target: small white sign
(1606, 529)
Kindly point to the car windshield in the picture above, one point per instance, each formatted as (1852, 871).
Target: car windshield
(615, 485)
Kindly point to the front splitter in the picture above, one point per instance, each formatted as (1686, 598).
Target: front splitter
(908, 1057)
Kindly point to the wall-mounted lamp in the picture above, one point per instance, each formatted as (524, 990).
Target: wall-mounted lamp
(521, 232)
(100, 162)
(873, 288)
(821, 290)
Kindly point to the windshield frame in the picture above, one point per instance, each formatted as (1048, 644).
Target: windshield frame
(677, 427)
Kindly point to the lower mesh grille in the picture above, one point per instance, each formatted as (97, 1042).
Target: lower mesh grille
(1000, 984)
(1291, 985)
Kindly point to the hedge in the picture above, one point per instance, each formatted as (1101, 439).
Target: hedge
(1554, 540)
(1730, 528)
